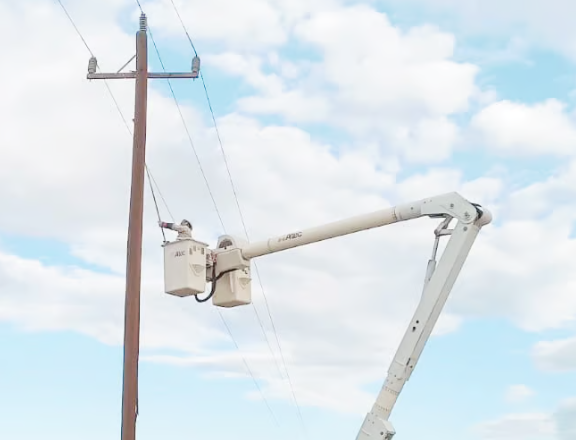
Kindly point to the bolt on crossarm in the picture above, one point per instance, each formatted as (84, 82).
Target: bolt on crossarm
(134, 247)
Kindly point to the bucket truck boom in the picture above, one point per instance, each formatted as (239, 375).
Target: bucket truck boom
(228, 268)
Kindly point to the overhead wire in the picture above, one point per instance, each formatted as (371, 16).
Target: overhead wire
(155, 203)
(152, 183)
(177, 103)
(161, 196)
(256, 270)
(151, 180)
(248, 369)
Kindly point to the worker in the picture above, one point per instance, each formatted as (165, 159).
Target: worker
(184, 229)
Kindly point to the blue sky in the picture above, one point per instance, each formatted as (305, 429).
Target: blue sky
(60, 364)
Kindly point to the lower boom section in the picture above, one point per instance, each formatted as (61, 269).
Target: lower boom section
(375, 428)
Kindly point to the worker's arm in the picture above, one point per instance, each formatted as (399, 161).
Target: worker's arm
(166, 225)
(175, 227)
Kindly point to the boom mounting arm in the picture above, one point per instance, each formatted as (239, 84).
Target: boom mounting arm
(189, 264)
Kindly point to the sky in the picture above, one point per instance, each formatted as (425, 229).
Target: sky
(325, 110)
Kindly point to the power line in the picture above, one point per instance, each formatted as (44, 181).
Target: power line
(249, 370)
(152, 182)
(75, 27)
(161, 196)
(259, 319)
(257, 272)
(187, 132)
(148, 171)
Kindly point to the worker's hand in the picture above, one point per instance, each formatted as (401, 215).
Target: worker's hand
(161, 224)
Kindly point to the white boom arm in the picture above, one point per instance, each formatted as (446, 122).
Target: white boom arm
(230, 276)
(438, 283)
(451, 204)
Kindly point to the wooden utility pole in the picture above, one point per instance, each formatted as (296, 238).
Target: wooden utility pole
(134, 251)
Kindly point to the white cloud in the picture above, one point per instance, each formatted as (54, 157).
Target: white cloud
(557, 425)
(558, 355)
(518, 393)
(543, 298)
(248, 66)
(526, 130)
(529, 426)
(374, 80)
(565, 416)
(37, 297)
(253, 25)
(544, 25)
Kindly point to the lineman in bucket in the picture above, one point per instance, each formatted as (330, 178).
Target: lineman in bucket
(184, 229)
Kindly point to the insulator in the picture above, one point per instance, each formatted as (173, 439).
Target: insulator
(92, 65)
(196, 66)
(143, 23)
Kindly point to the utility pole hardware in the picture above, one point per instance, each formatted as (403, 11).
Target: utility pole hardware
(134, 247)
